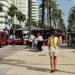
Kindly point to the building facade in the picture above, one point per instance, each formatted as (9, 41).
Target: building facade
(3, 14)
(35, 10)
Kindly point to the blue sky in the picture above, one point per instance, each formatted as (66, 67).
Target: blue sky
(65, 6)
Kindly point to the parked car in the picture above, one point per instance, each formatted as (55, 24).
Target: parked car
(18, 41)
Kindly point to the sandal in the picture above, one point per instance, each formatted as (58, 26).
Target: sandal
(52, 71)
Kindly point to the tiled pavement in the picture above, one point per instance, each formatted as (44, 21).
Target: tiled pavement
(26, 62)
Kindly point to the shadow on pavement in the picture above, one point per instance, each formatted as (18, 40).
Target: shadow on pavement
(64, 46)
(11, 61)
(31, 50)
(67, 47)
(73, 51)
(21, 63)
(47, 70)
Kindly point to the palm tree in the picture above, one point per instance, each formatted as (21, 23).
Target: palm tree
(53, 13)
(56, 16)
(50, 5)
(23, 18)
(70, 22)
(61, 25)
(18, 15)
(12, 12)
(71, 19)
(40, 23)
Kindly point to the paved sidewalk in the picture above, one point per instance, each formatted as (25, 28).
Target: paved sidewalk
(26, 62)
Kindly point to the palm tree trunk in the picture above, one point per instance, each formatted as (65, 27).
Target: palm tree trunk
(55, 24)
(50, 16)
(20, 22)
(48, 13)
(30, 16)
(12, 19)
(43, 12)
(73, 24)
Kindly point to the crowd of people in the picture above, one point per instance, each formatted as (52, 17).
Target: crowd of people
(35, 42)
(53, 45)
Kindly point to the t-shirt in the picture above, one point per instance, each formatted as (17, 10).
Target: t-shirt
(13, 37)
(32, 37)
(40, 38)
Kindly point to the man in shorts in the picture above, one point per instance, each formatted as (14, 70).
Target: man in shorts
(53, 43)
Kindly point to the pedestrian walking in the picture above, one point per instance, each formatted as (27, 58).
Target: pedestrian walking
(53, 43)
(7, 36)
(31, 40)
(40, 42)
(13, 39)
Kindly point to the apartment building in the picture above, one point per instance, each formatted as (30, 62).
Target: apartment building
(35, 10)
(4, 18)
